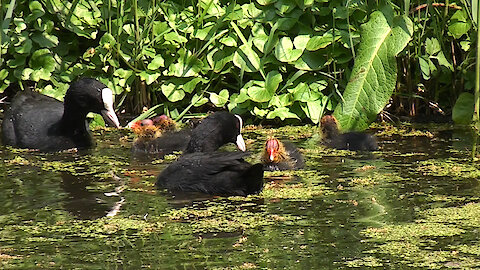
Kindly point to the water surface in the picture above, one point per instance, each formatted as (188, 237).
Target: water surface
(414, 203)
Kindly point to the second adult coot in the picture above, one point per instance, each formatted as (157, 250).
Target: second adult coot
(203, 169)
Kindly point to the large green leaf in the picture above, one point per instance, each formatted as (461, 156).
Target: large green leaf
(463, 110)
(281, 113)
(374, 73)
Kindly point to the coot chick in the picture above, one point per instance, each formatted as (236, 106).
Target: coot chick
(355, 141)
(158, 139)
(39, 122)
(164, 123)
(145, 130)
(280, 156)
(216, 173)
(216, 130)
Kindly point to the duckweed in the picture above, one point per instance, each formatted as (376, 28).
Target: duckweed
(404, 206)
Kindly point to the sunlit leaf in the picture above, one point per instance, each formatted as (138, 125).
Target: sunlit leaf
(156, 62)
(374, 74)
(172, 92)
(219, 99)
(301, 41)
(320, 42)
(284, 51)
(273, 80)
(281, 113)
(45, 40)
(246, 58)
(149, 77)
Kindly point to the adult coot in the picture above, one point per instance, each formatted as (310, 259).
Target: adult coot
(356, 141)
(279, 156)
(216, 130)
(206, 170)
(217, 173)
(39, 122)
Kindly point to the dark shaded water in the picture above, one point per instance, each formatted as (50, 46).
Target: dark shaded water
(99, 209)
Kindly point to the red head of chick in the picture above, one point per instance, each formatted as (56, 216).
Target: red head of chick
(279, 156)
(274, 151)
(145, 129)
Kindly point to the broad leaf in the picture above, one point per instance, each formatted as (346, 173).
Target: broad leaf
(463, 110)
(246, 58)
(374, 73)
(219, 99)
(281, 113)
(156, 62)
(285, 52)
(172, 92)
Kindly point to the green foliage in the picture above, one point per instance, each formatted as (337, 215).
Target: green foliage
(438, 64)
(269, 59)
(374, 74)
(463, 110)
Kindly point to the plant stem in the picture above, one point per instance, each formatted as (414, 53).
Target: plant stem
(476, 114)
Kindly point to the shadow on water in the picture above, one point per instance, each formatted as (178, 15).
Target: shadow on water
(100, 209)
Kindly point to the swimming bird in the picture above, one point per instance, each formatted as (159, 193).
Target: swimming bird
(217, 173)
(279, 156)
(206, 170)
(216, 130)
(36, 121)
(355, 141)
(158, 138)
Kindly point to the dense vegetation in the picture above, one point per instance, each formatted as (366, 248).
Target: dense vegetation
(267, 59)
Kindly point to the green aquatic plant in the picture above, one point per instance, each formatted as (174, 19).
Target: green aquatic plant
(416, 243)
(449, 167)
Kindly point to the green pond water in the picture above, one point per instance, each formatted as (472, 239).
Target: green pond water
(413, 204)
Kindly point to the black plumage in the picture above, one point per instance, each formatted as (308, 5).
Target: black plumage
(216, 130)
(355, 141)
(218, 173)
(203, 169)
(39, 122)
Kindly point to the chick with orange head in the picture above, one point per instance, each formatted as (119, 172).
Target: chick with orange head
(145, 130)
(158, 137)
(279, 156)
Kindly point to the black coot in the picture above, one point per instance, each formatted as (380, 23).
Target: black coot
(279, 156)
(206, 170)
(216, 130)
(356, 141)
(39, 122)
(217, 173)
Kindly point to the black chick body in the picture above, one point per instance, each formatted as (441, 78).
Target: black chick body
(206, 170)
(39, 122)
(280, 156)
(355, 141)
(217, 173)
